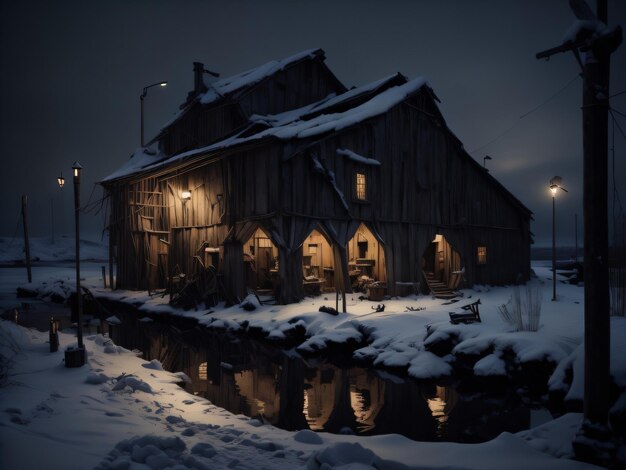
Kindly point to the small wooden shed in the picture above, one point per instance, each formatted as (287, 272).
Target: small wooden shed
(283, 180)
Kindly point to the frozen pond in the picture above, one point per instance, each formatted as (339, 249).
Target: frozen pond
(283, 389)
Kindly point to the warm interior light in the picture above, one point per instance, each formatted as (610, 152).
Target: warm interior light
(481, 253)
(361, 189)
(186, 195)
(75, 171)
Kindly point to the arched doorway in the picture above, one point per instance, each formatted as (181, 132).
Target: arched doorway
(260, 256)
(318, 263)
(442, 268)
(366, 259)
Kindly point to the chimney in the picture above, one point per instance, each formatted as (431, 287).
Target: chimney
(198, 83)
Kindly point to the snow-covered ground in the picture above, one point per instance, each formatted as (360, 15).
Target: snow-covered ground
(97, 416)
(122, 412)
(43, 249)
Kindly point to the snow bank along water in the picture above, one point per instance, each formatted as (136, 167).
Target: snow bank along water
(398, 338)
(119, 411)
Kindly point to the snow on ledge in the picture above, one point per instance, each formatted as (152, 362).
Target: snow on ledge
(357, 158)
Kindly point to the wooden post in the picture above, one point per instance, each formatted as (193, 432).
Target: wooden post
(553, 249)
(593, 440)
(26, 243)
(104, 276)
(111, 247)
(595, 229)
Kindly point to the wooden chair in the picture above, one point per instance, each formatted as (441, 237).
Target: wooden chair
(470, 314)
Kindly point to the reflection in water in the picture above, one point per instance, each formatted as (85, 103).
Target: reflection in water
(254, 379)
(441, 404)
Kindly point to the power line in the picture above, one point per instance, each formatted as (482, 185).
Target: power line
(563, 88)
(551, 98)
(615, 123)
(616, 111)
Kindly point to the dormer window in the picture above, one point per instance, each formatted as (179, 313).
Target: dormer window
(360, 186)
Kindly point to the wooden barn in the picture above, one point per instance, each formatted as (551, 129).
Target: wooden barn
(280, 179)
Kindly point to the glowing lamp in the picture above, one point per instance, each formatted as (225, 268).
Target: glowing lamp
(186, 195)
(61, 180)
(76, 167)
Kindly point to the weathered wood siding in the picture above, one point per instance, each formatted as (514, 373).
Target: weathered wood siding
(297, 85)
(426, 184)
(202, 125)
(300, 84)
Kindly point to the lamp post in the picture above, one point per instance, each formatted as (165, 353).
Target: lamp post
(141, 98)
(555, 185)
(486, 157)
(76, 357)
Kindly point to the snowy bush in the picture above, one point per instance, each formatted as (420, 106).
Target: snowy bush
(523, 313)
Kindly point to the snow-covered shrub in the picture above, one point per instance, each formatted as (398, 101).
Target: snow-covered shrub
(523, 313)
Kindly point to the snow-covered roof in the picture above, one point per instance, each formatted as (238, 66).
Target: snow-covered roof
(310, 110)
(231, 85)
(323, 123)
(246, 79)
(297, 129)
(140, 159)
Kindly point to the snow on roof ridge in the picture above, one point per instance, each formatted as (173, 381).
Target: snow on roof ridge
(249, 77)
(218, 89)
(377, 105)
(286, 117)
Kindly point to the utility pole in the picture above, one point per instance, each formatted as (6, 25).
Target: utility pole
(26, 242)
(576, 237)
(596, 45)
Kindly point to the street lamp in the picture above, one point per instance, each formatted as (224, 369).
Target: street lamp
(61, 180)
(555, 185)
(487, 157)
(76, 357)
(141, 98)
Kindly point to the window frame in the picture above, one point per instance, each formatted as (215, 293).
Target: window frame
(481, 255)
(360, 185)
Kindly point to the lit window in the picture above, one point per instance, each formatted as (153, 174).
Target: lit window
(202, 371)
(361, 188)
(481, 254)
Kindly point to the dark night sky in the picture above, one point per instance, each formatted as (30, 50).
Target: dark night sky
(72, 73)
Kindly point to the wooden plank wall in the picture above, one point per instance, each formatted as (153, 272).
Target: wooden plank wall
(300, 84)
(201, 126)
(426, 184)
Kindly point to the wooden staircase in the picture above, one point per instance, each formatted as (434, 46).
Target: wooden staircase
(438, 288)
